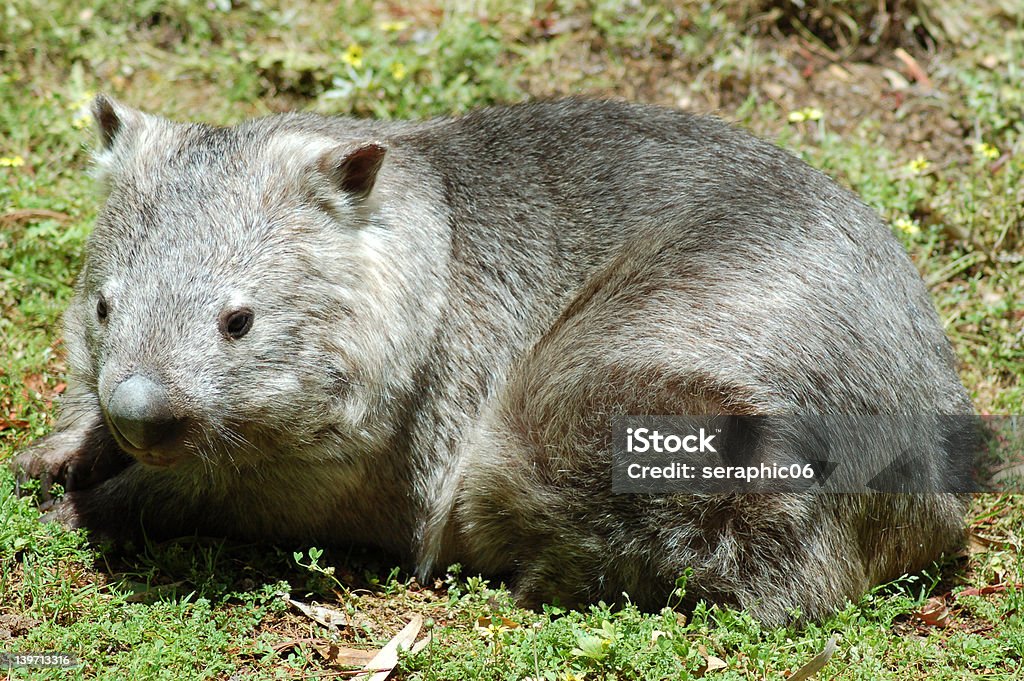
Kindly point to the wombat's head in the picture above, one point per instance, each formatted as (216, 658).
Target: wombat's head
(231, 299)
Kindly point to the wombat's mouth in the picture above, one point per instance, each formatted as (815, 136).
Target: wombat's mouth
(154, 458)
(168, 452)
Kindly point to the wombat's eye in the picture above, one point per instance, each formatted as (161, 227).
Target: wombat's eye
(101, 308)
(236, 323)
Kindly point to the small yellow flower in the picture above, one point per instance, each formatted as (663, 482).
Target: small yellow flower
(398, 70)
(986, 150)
(908, 226)
(353, 56)
(82, 101)
(919, 165)
(808, 113)
(393, 26)
(11, 161)
(80, 108)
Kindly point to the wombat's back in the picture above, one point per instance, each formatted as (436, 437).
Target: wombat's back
(783, 267)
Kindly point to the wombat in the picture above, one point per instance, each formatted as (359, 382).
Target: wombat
(414, 335)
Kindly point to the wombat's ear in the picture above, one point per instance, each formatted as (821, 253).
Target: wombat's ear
(353, 172)
(112, 119)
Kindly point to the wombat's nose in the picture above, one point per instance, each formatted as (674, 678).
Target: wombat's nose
(141, 412)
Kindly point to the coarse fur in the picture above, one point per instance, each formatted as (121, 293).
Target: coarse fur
(446, 314)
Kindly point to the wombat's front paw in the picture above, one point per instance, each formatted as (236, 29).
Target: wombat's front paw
(75, 459)
(50, 460)
(62, 511)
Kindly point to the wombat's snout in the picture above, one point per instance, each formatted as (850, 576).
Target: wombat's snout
(140, 411)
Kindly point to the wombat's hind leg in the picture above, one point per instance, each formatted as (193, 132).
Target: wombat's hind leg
(537, 499)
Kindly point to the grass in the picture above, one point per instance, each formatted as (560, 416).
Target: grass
(942, 160)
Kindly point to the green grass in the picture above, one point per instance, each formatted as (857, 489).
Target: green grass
(207, 610)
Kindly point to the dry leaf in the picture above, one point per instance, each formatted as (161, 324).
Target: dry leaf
(985, 590)
(14, 423)
(329, 617)
(990, 61)
(715, 663)
(913, 68)
(420, 645)
(979, 542)
(896, 80)
(340, 655)
(711, 662)
(330, 651)
(934, 613)
(816, 663)
(501, 622)
(1011, 472)
(838, 73)
(32, 214)
(384, 661)
(36, 383)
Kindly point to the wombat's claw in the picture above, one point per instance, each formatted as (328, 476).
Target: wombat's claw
(26, 468)
(75, 459)
(61, 512)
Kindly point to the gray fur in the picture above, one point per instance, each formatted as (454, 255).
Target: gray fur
(441, 334)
